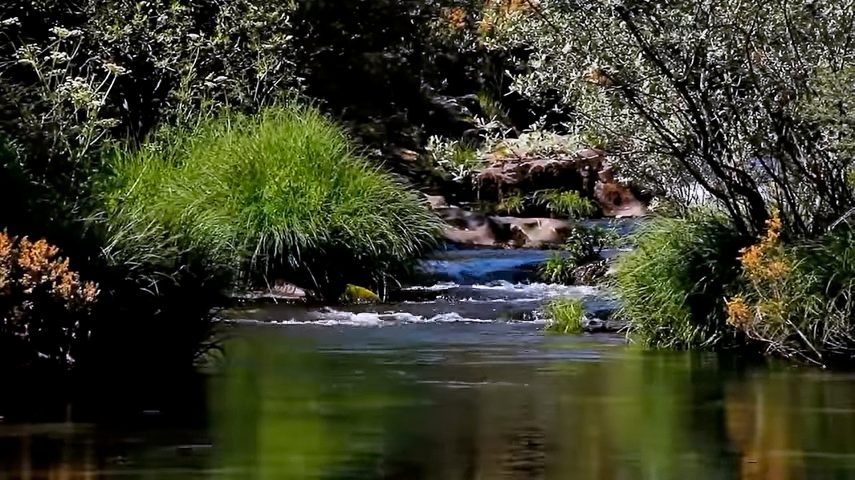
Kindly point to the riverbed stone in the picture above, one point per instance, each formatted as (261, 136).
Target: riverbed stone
(474, 229)
(587, 171)
(279, 291)
(591, 273)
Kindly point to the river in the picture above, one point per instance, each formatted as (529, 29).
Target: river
(453, 380)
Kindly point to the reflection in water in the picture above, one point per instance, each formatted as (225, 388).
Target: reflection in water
(462, 401)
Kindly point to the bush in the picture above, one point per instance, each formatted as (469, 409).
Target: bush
(583, 246)
(281, 193)
(672, 286)
(44, 305)
(797, 301)
(564, 316)
(557, 269)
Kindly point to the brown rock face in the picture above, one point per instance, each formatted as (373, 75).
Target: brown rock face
(586, 171)
(479, 230)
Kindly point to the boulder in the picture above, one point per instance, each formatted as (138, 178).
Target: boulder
(615, 199)
(280, 291)
(590, 273)
(533, 232)
(530, 174)
(586, 171)
(475, 229)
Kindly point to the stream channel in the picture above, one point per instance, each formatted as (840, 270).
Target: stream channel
(454, 380)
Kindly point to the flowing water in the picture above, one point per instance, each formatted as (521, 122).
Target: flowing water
(453, 380)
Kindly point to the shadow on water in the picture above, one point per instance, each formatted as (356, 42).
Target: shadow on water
(453, 401)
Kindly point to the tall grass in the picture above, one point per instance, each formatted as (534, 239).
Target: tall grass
(279, 193)
(673, 285)
(569, 203)
(564, 316)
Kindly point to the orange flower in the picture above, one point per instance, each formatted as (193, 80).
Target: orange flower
(738, 312)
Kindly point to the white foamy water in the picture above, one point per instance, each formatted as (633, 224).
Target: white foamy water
(331, 317)
(540, 290)
(537, 289)
(498, 301)
(439, 287)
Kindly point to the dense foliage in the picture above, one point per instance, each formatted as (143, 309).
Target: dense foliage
(745, 104)
(79, 73)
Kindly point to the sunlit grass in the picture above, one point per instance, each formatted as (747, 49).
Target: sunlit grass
(564, 316)
(281, 192)
(672, 286)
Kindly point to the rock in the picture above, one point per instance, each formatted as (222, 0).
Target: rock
(604, 320)
(590, 273)
(533, 232)
(598, 325)
(593, 324)
(616, 200)
(468, 228)
(357, 294)
(407, 155)
(280, 291)
(478, 230)
(436, 202)
(586, 171)
(532, 174)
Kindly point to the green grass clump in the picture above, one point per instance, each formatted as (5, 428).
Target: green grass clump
(569, 204)
(564, 316)
(492, 108)
(557, 269)
(672, 286)
(278, 193)
(512, 204)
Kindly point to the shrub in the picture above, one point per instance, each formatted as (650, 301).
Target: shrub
(44, 305)
(512, 204)
(583, 246)
(798, 300)
(564, 316)
(458, 159)
(280, 193)
(672, 286)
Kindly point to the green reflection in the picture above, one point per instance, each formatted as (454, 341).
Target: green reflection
(300, 410)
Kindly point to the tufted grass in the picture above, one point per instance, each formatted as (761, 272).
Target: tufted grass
(564, 316)
(281, 193)
(673, 285)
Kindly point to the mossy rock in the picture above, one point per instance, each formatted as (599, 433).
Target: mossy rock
(357, 294)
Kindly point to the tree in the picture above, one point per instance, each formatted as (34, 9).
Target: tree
(748, 103)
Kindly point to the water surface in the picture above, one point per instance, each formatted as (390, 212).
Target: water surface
(452, 380)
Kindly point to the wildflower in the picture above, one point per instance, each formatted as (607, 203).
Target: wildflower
(63, 33)
(114, 69)
(5, 260)
(738, 312)
(57, 57)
